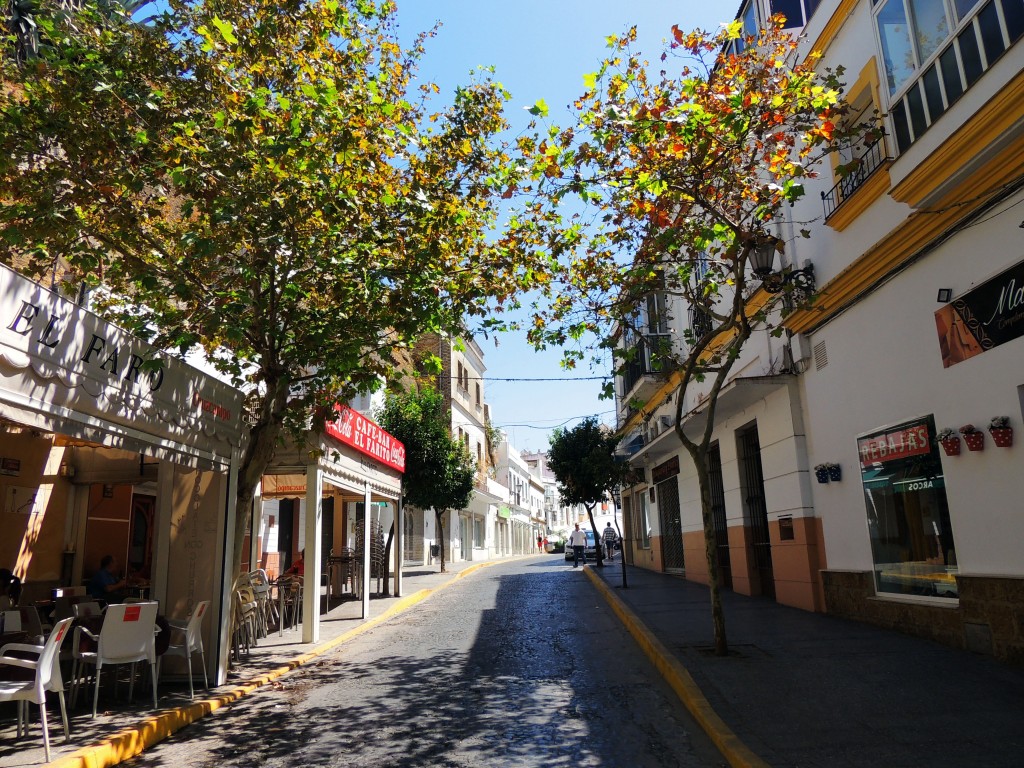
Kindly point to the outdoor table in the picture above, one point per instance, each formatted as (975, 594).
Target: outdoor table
(283, 585)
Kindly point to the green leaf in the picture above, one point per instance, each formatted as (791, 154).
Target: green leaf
(590, 80)
(540, 108)
(226, 30)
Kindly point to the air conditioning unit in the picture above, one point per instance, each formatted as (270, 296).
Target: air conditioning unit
(667, 422)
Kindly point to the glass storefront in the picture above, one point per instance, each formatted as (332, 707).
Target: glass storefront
(908, 518)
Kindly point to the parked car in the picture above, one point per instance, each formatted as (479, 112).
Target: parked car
(590, 550)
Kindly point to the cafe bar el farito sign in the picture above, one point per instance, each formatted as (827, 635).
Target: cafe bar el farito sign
(985, 317)
(355, 430)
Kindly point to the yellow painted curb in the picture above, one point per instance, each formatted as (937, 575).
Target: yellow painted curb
(735, 751)
(136, 739)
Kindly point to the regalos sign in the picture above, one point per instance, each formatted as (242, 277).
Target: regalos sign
(355, 430)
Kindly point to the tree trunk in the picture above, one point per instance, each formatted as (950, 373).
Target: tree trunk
(387, 558)
(440, 535)
(597, 544)
(259, 452)
(711, 552)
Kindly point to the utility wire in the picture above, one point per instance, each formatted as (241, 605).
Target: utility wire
(554, 378)
(552, 426)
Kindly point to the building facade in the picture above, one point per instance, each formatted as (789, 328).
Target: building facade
(831, 490)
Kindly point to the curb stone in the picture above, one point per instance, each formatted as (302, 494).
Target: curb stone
(738, 754)
(132, 741)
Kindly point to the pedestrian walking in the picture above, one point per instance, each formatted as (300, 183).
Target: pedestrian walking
(609, 537)
(578, 541)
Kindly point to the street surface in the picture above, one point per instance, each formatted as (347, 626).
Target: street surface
(519, 664)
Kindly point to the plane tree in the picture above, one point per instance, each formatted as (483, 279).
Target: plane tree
(439, 472)
(588, 473)
(267, 182)
(680, 173)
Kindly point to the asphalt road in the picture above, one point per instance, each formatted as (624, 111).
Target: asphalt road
(519, 664)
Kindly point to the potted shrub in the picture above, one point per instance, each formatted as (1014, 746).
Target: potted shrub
(973, 436)
(1001, 431)
(949, 440)
(821, 472)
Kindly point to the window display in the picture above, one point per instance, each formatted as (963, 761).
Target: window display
(908, 518)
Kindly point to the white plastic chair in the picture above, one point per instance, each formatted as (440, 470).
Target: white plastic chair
(128, 635)
(192, 642)
(47, 678)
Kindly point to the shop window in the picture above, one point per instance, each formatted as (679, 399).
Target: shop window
(911, 538)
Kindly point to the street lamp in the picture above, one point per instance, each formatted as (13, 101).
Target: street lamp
(762, 261)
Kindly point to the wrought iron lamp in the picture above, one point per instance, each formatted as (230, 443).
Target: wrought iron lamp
(762, 260)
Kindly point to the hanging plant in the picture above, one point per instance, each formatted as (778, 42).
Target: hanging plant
(1001, 431)
(949, 440)
(974, 437)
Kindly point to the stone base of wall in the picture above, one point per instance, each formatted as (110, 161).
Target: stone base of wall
(989, 618)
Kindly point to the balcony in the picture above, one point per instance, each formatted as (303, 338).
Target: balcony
(648, 359)
(701, 322)
(874, 157)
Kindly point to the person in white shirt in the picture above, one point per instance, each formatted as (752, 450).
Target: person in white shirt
(578, 540)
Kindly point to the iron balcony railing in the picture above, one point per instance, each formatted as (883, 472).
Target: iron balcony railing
(647, 358)
(874, 157)
(701, 322)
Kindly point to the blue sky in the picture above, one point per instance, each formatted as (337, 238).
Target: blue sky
(541, 50)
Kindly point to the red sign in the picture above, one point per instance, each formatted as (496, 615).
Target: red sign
(912, 440)
(132, 613)
(355, 430)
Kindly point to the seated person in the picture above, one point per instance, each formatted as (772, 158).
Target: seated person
(104, 584)
(10, 588)
(298, 567)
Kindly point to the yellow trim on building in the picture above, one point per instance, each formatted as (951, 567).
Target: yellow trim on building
(913, 234)
(876, 185)
(879, 182)
(834, 24)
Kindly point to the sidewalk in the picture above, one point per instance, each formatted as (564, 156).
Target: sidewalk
(814, 691)
(120, 729)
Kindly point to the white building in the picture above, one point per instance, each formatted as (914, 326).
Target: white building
(917, 327)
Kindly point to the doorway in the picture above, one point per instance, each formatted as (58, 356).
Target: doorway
(718, 515)
(671, 525)
(752, 478)
(285, 527)
(140, 535)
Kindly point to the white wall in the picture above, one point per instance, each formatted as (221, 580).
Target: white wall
(884, 367)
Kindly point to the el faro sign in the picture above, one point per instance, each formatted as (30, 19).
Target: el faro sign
(357, 431)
